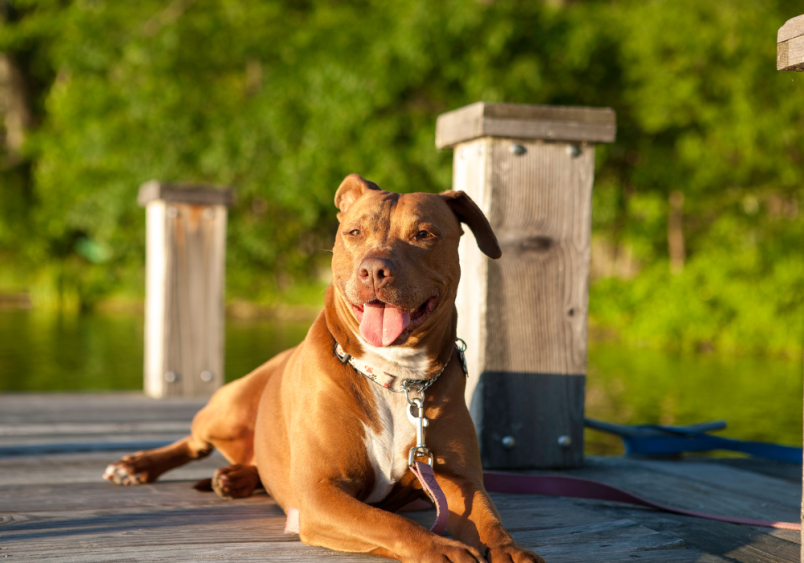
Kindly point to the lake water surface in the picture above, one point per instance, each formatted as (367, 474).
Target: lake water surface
(760, 398)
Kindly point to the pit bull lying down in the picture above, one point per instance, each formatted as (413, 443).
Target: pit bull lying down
(332, 428)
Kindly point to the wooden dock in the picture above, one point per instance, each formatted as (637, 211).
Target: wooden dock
(54, 506)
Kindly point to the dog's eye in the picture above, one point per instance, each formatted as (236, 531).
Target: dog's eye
(423, 234)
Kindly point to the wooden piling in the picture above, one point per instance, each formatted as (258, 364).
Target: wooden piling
(790, 56)
(790, 45)
(185, 271)
(524, 317)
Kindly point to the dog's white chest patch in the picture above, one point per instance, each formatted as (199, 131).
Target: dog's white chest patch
(388, 449)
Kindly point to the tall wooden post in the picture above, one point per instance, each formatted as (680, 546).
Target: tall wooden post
(524, 317)
(184, 312)
(790, 56)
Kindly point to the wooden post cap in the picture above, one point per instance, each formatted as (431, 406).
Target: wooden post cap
(185, 193)
(790, 45)
(521, 121)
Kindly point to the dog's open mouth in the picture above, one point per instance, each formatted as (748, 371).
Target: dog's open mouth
(383, 324)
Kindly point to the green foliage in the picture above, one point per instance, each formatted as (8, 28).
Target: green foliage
(282, 99)
(631, 386)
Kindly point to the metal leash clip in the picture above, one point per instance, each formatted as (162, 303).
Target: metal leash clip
(418, 420)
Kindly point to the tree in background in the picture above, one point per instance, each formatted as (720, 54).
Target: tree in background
(282, 99)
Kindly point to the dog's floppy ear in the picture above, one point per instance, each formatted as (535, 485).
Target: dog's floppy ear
(468, 212)
(350, 190)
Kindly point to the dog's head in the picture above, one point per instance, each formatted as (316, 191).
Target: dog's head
(395, 261)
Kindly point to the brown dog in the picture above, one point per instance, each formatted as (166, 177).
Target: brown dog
(324, 439)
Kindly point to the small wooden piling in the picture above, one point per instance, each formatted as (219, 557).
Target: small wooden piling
(790, 45)
(185, 271)
(524, 317)
(790, 56)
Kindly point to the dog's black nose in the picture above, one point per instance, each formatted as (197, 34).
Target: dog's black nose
(376, 272)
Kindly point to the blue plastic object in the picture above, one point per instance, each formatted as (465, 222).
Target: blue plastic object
(655, 440)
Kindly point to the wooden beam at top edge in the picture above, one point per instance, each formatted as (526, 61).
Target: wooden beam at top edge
(521, 121)
(185, 193)
(790, 45)
(792, 28)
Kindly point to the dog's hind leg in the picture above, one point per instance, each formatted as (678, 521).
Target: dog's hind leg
(220, 424)
(145, 467)
(236, 481)
(226, 423)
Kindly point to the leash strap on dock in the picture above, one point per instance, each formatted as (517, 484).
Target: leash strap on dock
(424, 473)
(576, 487)
(548, 485)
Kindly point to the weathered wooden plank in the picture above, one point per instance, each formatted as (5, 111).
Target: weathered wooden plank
(280, 552)
(729, 542)
(55, 507)
(732, 481)
(605, 537)
(794, 27)
(527, 512)
(721, 478)
(91, 429)
(87, 468)
(698, 489)
(524, 121)
(778, 469)
(100, 495)
(790, 55)
(524, 317)
(143, 527)
(43, 408)
(741, 543)
(208, 522)
(65, 446)
(777, 500)
(199, 528)
(585, 552)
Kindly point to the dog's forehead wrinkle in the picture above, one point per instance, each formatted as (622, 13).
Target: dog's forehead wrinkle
(417, 208)
(375, 214)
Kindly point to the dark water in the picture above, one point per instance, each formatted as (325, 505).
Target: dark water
(43, 351)
(760, 398)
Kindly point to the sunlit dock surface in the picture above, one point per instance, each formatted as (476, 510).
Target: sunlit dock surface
(54, 506)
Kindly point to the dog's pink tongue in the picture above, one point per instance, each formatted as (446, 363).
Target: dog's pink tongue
(382, 323)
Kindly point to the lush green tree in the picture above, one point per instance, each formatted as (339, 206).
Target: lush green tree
(713, 119)
(282, 99)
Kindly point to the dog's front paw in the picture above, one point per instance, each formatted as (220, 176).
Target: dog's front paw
(509, 553)
(445, 550)
(129, 470)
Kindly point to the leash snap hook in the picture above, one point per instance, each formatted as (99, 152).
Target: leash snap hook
(420, 452)
(420, 422)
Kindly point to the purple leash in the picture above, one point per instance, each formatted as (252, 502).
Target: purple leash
(547, 485)
(426, 477)
(584, 488)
